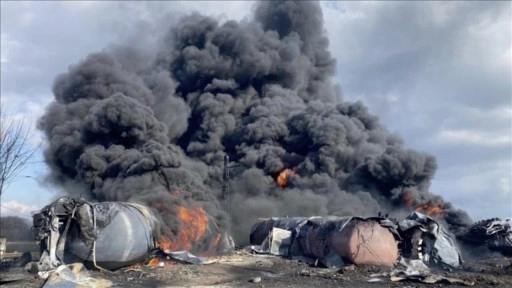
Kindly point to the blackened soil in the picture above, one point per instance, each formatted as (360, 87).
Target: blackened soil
(246, 270)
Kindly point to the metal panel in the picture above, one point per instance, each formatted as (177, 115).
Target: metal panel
(123, 236)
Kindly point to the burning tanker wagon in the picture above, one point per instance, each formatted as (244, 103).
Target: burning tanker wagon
(111, 235)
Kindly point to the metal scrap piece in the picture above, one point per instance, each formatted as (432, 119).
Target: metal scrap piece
(71, 230)
(427, 240)
(417, 271)
(73, 276)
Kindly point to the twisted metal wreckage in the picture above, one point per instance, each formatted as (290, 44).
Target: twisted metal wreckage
(494, 233)
(112, 235)
(334, 241)
(105, 236)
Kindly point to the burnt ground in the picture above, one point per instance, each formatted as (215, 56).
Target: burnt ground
(242, 268)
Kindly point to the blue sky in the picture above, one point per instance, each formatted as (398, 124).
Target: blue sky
(437, 73)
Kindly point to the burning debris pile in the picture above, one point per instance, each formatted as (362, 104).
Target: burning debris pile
(334, 241)
(494, 234)
(111, 235)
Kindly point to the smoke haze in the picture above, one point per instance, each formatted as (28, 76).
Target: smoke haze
(128, 127)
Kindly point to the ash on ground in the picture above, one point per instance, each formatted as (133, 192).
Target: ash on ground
(244, 269)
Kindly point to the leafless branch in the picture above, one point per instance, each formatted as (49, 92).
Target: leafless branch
(15, 150)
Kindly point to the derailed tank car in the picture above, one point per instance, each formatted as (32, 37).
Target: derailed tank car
(106, 235)
(329, 241)
(427, 240)
(333, 241)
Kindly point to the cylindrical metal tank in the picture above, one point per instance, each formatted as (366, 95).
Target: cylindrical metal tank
(365, 242)
(356, 240)
(124, 234)
(314, 245)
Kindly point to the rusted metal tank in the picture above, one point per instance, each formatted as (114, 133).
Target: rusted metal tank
(366, 242)
(314, 244)
(331, 240)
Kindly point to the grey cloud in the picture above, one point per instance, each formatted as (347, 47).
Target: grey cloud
(429, 67)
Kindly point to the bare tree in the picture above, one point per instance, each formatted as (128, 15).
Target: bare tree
(15, 150)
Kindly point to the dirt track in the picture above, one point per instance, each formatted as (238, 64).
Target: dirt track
(238, 270)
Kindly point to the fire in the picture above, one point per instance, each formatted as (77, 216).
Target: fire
(282, 177)
(215, 241)
(160, 260)
(153, 262)
(192, 227)
(431, 208)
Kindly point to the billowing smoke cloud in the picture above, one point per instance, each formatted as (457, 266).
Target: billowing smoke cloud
(127, 129)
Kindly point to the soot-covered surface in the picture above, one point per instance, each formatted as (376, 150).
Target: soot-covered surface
(239, 269)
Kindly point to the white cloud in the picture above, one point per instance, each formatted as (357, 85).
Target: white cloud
(505, 187)
(481, 32)
(79, 4)
(498, 113)
(441, 13)
(462, 125)
(507, 56)
(8, 46)
(442, 81)
(472, 137)
(17, 208)
(25, 109)
(26, 19)
(483, 188)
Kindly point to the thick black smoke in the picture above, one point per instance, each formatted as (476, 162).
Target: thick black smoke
(126, 129)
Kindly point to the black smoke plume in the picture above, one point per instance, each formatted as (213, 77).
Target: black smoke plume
(260, 91)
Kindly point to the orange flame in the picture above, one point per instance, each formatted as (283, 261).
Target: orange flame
(282, 177)
(213, 243)
(192, 227)
(153, 262)
(431, 208)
